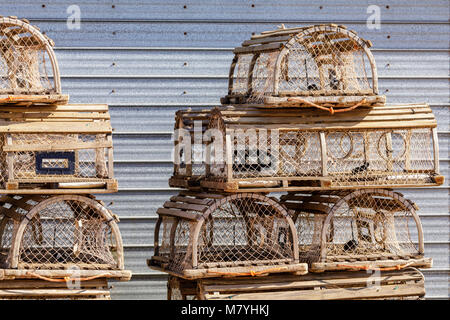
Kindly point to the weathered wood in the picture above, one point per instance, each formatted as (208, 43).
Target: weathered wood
(333, 266)
(253, 42)
(260, 48)
(12, 274)
(388, 291)
(55, 127)
(44, 284)
(324, 286)
(56, 293)
(185, 206)
(31, 114)
(178, 213)
(190, 274)
(278, 283)
(56, 147)
(49, 98)
(103, 108)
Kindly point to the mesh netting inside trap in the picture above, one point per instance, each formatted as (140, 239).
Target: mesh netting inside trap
(26, 59)
(237, 230)
(370, 224)
(56, 232)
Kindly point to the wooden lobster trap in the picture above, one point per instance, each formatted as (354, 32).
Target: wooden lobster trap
(265, 149)
(200, 235)
(57, 232)
(28, 67)
(357, 230)
(325, 66)
(56, 149)
(53, 247)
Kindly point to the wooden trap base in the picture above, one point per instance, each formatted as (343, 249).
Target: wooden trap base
(27, 100)
(58, 284)
(403, 284)
(230, 270)
(22, 289)
(355, 264)
(60, 186)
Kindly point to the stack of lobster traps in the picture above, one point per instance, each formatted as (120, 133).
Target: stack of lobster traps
(302, 118)
(56, 239)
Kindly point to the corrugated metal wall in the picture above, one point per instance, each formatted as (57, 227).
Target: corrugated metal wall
(146, 59)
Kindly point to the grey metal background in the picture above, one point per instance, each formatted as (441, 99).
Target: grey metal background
(147, 59)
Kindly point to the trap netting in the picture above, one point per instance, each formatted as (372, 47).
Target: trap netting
(27, 62)
(24, 158)
(57, 232)
(381, 157)
(325, 60)
(361, 225)
(201, 235)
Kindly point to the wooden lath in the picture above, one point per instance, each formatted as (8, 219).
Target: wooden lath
(55, 119)
(388, 116)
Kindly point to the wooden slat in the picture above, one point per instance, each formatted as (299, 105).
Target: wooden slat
(59, 191)
(178, 213)
(327, 266)
(331, 118)
(55, 127)
(308, 112)
(33, 98)
(43, 284)
(53, 115)
(53, 292)
(396, 290)
(279, 32)
(247, 43)
(185, 206)
(58, 108)
(261, 48)
(301, 268)
(13, 274)
(278, 283)
(190, 200)
(57, 147)
(340, 126)
(318, 198)
(313, 207)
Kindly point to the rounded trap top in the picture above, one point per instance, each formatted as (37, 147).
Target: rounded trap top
(28, 67)
(324, 66)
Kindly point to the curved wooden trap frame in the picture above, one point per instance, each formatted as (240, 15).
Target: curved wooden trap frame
(196, 236)
(23, 55)
(265, 61)
(357, 230)
(58, 232)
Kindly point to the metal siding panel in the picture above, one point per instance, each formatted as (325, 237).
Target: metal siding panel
(136, 203)
(183, 91)
(225, 35)
(142, 147)
(188, 63)
(142, 288)
(142, 175)
(348, 10)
